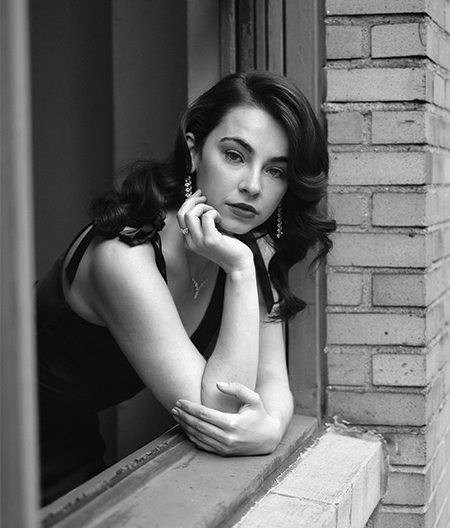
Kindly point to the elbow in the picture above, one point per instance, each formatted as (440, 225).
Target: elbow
(212, 397)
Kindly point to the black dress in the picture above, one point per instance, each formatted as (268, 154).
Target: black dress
(83, 371)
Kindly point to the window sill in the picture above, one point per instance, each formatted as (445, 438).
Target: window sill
(169, 482)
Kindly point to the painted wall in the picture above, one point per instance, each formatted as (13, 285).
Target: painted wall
(150, 79)
(72, 117)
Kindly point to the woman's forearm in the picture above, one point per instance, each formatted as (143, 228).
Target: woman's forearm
(279, 404)
(235, 356)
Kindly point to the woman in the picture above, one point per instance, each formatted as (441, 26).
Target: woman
(169, 286)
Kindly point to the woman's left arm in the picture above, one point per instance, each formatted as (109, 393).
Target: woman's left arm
(264, 415)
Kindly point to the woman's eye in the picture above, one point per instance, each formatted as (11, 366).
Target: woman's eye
(234, 156)
(275, 172)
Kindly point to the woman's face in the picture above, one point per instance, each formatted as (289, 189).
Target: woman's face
(242, 168)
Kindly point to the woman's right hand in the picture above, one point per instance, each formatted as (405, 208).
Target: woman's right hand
(205, 239)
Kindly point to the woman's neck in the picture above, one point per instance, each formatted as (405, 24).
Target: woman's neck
(177, 254)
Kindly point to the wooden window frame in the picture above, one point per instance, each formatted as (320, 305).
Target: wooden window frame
(18, 440)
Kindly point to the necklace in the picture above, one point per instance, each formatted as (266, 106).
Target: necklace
(198, 286)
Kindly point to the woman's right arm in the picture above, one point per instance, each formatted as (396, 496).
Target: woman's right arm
(133, 300)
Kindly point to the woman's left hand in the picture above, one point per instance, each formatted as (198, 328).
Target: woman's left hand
(251, 431)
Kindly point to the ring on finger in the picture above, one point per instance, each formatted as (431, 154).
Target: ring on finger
(185, 231)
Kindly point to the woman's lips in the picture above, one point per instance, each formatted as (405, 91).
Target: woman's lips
(243, 210)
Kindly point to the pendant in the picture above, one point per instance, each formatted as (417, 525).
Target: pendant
(197, 286)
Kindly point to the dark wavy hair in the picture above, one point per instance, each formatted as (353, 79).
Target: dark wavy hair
(151, 187)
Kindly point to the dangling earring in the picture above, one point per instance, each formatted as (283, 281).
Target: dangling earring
(279, 221)
(188, 186)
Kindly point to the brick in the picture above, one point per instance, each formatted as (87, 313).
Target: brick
(437, 357)
(412, 370)
(347, 208)
(409, 448)
(344, 42)
(345, 128)
(407, 485)
(344, 288)
(437, 45)
(437, 429)
(347, 369)
(372, 7)
(443, 501)
(398, 290)
(378, 84)
(399, 370)
(379, 249)
(439, 463)
(399, 209)
(446, 372)
(437, 316)
(413, 127)
(375, 329)
(435, 395)
(439, 244)
(380, 408)
(446, 24)
(438, 128)
(388, 516)
(436, 280)
(417, 448)
(438, 205)
(398, 40)
(398, 127)
(438, 90)
(439, 167)
(382, 168)
(437, 9)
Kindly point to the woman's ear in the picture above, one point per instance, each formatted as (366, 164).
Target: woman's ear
(190, 140)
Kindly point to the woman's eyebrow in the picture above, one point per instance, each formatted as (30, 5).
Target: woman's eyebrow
(251, 150)
(241, 142)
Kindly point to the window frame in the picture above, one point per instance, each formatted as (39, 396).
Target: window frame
(18, 428)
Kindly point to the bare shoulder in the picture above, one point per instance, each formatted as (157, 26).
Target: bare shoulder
(122, 279)
(113, 258)
(109, 270)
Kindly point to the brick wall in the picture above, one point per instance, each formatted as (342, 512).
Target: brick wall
(388, 351)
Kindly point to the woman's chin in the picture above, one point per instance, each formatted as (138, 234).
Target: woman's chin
(232, 231)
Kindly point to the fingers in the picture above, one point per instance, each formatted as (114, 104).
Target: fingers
(201, 222)
(250, 431)
(241, 392)
(195, 199)
(194, 413)
(203, 434)
(197, 219)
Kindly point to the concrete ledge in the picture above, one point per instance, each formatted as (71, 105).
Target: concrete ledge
(170, 483)
(336, 483)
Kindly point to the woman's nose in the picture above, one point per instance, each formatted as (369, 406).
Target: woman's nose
(251, 182)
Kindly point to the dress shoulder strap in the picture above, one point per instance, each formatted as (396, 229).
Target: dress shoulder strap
(72, 266)
(261, 269)
(130, 236)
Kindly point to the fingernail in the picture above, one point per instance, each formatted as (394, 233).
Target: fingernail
(223, 385)
(174, 411)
